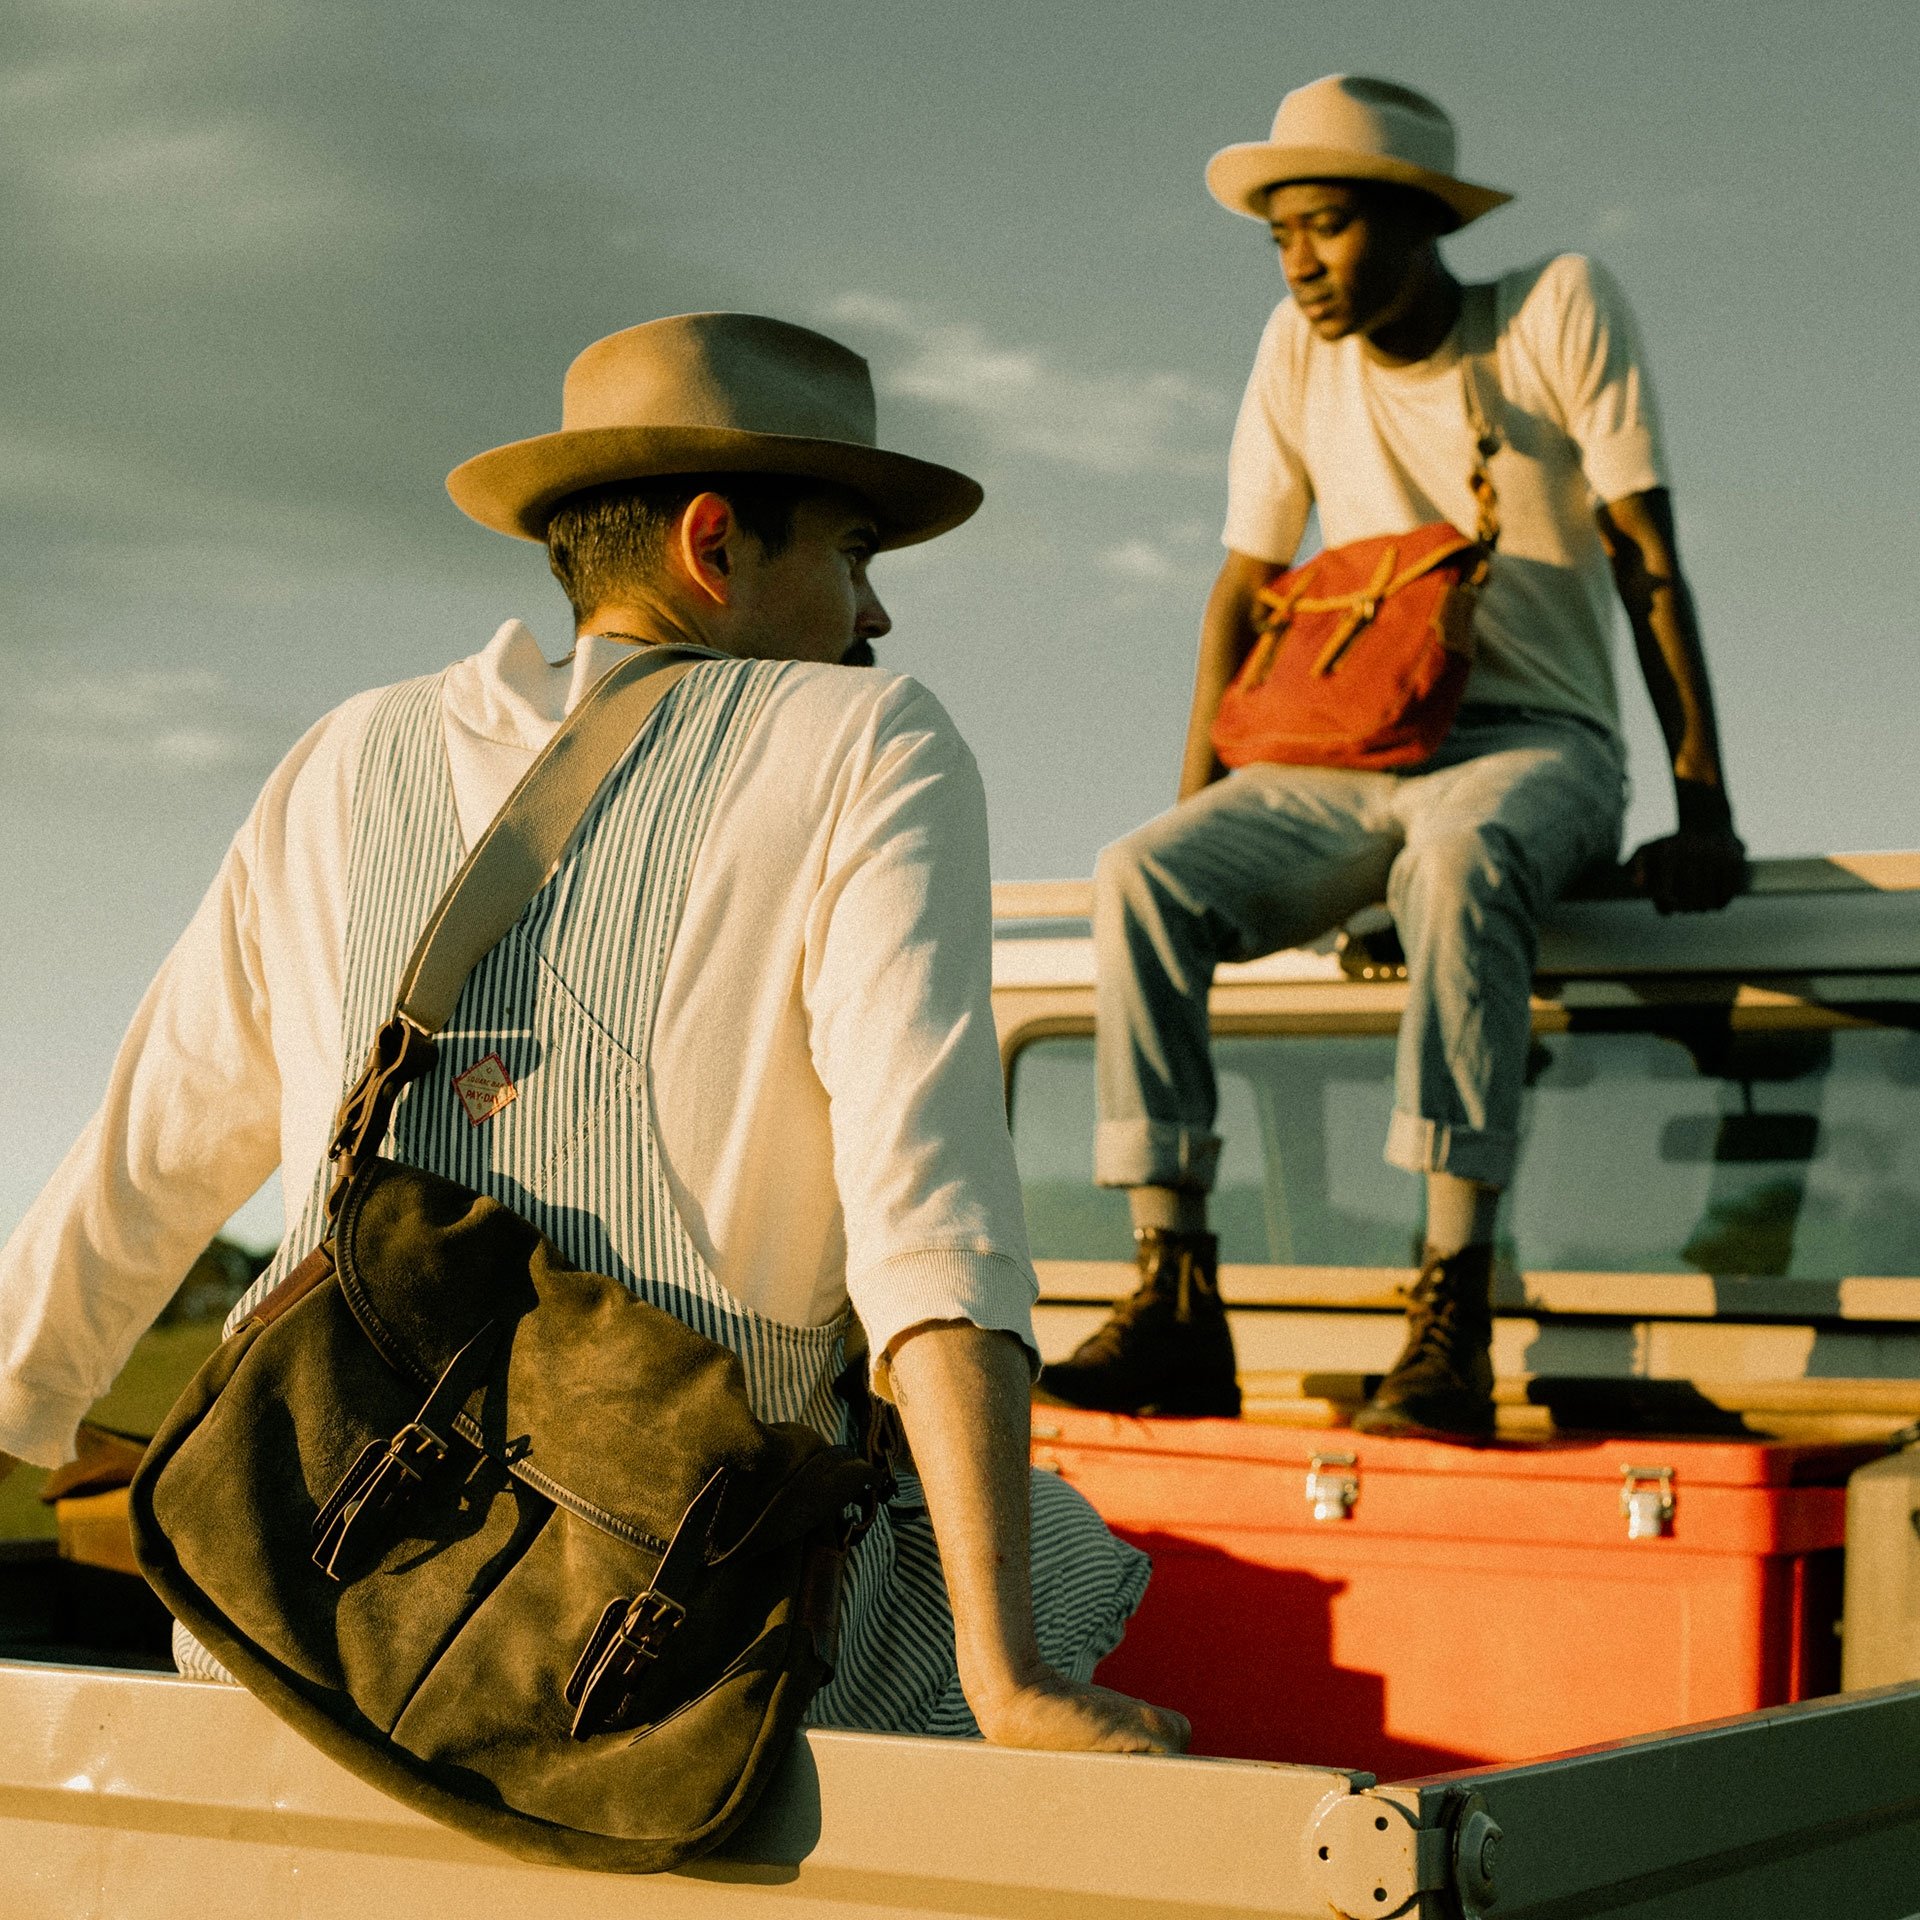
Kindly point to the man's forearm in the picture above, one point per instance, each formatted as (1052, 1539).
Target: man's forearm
(1639, 533)
(1704, 865)
(962, 1394)
(1667, 636)
(963, 1399)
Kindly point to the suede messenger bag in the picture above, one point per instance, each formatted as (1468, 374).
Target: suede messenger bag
(505, 1541)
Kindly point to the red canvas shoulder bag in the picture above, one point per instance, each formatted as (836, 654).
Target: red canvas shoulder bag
(1362, 652)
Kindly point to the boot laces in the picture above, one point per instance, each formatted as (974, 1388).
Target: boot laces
(1440, 1322)
(1150, 1298)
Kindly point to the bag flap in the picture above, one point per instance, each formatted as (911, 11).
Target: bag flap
(615, 1409)
(1384, 564)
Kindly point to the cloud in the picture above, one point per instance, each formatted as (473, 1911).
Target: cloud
(117, 149)
(1180, 556)
(259, 285)
(1141, 561)
(174, 721)
(214, 190)
(1118, 422)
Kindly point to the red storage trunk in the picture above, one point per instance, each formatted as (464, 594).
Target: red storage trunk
(1409, 1607)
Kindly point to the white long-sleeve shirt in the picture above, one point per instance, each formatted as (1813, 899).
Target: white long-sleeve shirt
(825, 1076)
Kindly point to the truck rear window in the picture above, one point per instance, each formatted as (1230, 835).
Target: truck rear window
(1656, 1141)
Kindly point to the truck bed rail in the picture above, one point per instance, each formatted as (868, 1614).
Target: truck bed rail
(146, 1796)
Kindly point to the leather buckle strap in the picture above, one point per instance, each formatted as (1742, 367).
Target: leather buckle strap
(630, 1637)
(605, 1686)
(401, 1052)
(385, 1477)
(348, 1533)
(1359, 609)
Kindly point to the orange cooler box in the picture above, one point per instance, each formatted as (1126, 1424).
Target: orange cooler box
(1409, 1607)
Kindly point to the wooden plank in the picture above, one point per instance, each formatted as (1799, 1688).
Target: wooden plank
(1896, 1400)
(92, 1528)
(1630, 1296)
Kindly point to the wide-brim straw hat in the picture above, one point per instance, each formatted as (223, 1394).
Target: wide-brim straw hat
(713, 393)
(1348, 127)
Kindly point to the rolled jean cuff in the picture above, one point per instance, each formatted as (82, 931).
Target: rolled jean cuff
(1155, 1153)
(1421, 1145)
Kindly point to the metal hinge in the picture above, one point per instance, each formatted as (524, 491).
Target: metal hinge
(1371, 1859)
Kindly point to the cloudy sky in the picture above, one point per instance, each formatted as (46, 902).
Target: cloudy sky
(272, 269)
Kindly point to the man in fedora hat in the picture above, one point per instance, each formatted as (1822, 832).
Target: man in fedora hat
(739, 1050)
(1357, 408)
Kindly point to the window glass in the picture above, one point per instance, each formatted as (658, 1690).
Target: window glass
(1674, 1140)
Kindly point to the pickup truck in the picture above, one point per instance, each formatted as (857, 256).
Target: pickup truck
(1718, 1212)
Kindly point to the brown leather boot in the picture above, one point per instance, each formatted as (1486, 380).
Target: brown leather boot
(1167, 1348)
(1442, 1384)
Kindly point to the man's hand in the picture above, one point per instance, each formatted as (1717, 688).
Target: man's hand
(1053, 1711)
(1697, 870)
(963, 1399)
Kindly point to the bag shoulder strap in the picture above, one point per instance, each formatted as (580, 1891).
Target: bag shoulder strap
(1480, 378)
(513, 859)
(508, 865)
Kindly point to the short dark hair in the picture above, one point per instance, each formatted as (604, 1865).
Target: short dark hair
(606, 539)
(1414, 205)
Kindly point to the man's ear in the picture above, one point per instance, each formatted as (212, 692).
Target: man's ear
(704, 542)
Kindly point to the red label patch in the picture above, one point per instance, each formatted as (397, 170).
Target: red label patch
(485, 1088)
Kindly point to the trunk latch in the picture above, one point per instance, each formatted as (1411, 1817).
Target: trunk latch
(1333, 1485)
(1646, 1498)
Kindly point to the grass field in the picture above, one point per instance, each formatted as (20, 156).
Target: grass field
(148, 1385)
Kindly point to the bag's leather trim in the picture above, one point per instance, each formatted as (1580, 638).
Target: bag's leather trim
(523, 1469)
(297, 1284)
(353, 1284)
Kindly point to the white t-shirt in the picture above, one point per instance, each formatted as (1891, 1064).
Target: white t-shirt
(1382, 449)
(824, 1068)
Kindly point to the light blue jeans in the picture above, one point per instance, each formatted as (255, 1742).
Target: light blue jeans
(1467, 850)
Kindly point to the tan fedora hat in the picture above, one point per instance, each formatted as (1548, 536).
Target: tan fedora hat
(713, 393)
(1347, 127)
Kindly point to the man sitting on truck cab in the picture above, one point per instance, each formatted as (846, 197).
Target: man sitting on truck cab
(1356, 406)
